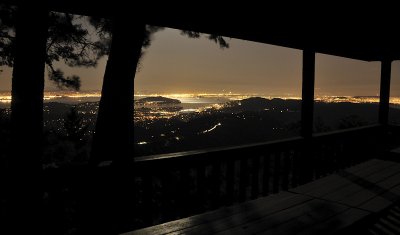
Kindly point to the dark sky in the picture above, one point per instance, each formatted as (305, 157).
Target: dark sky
(176, 64)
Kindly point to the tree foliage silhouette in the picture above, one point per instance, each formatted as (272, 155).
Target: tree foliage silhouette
(7, 35)
(104, 28)
(68, 41)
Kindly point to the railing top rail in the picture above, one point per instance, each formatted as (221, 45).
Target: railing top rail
(347, 131)
(267, 144)
(216, 150)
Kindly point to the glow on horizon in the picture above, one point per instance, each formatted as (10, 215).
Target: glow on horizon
(176, 64)
(232, 96)
(5, 97)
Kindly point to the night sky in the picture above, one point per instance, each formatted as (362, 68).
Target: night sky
(176, 64)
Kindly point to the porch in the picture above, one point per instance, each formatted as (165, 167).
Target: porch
(283, 186)
(340, 203)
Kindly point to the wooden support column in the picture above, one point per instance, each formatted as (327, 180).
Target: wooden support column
(24, 192)
(307, 103)
(307, 116)
(384, 92)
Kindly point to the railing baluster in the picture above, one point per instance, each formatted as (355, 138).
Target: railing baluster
(340, 156)
(285, 170)
(230, 181)
(296, 168)
(168, 192)
(183, 196)
(243, 180)
(277, 166)
(320, 158)
(255, 177)
(215, 185)
(291, 167)
(147, 199)
(330, 157)
(323, 159)
(352, 148)
(201, 188)
(266, 173)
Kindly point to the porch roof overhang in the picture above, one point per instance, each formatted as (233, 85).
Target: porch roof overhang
(365, 38)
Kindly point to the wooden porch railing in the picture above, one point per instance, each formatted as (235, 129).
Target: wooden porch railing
(171, 186)
(176, 185)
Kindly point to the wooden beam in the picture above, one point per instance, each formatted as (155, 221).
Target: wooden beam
(307, 103)
(384, 92)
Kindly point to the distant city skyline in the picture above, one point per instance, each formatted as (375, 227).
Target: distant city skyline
(176, 64)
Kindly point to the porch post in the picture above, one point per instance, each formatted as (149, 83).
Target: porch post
(384, 92)
(307, 115)
(307, 103)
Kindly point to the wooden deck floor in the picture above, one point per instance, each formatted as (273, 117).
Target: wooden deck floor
(324, 206)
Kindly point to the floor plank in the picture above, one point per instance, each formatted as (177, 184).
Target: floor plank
(309, 210)
(337, 223)
(361, 190)
(334, 182)
(247, 216)
(221, 214)
(322, 212)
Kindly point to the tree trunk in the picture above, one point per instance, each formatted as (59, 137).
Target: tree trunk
(24, 192)
(115, 117)
(112, 139)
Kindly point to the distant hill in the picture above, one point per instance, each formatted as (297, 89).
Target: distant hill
(259, 104)
(57, 107)
(160, 100)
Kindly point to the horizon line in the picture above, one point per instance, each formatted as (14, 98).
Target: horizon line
(183, 94)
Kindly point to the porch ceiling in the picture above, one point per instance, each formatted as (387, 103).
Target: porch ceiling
(366, 37)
